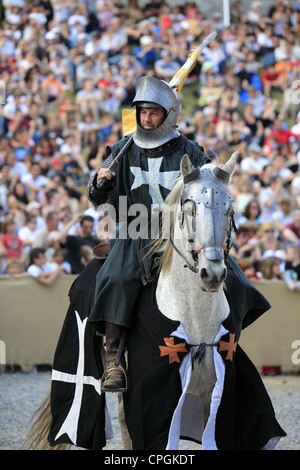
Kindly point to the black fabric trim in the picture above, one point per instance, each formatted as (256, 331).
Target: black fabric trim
(192, 176)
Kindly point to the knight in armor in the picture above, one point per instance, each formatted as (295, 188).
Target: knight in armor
(145, 175)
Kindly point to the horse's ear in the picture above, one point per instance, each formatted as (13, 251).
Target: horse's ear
(186, 166)
(230, 164)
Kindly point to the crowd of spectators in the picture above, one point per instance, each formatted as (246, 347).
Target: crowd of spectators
(67, 68)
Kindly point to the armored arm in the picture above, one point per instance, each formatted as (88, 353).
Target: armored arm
(98, 196)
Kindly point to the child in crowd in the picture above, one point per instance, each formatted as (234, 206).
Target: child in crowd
(291, 273)
(41, 270)
(15, 268)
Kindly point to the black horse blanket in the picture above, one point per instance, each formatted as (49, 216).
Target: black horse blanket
(157, 407)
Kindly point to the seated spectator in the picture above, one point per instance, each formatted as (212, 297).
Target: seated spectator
(66, 111)
(210, 92)
(53, 244)
(243, 193)
(59, 66)
(270, 268)
(223, 125)
(88, 70)
(3, 254)
(268, 198)
(35, 182)
(59, 258)
(41, 239)
(27, 232)
(268, 116)
(15, 268)
(252, 213)
(268, 244)
(216, 54)
(19, 192)
(166, 67)
(295, 129)
(284, 215)
(283, 135)
(210, 140)
(52, 90)
(14, 102)
(112, 92)
(88, 130)
(264, 180)
(185, 126)
(79, 247)
(20, 143)
(291, 274)
(257, 99)
(114, 37)
(290, 107)
(88, 99)
(291, 232)
(243, 247)
(230, 100)
(254, 13)
(255, 125)
(34, 208)
(147, 52)
(249, 269)
(278, 165)
(40, 269)
(56, 168)
(12, 243)
(253, 164)
(16, 168)
(271, 78)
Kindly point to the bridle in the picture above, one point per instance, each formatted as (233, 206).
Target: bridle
(191, 232)
(194, 253)
(146, 273)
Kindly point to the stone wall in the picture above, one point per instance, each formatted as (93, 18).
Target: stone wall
(31, 318)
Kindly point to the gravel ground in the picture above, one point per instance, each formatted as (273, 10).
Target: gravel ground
(22, 393)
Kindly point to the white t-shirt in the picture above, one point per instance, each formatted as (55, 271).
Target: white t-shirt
(35, 271)
(40, 181)
(257, 165)
(26, 234)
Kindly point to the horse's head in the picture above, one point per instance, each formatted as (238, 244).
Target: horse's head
(205, 220)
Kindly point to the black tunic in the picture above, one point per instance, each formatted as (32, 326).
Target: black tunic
(143, 177)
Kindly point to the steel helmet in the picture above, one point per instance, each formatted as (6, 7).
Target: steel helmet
(152, 92)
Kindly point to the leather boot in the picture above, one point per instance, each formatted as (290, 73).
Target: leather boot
(114, 377)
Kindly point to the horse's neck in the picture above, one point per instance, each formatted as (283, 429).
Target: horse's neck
(180, 298)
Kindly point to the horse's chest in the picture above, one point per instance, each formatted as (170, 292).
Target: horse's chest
(200, 313)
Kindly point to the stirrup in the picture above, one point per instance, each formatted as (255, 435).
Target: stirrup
(109, 368)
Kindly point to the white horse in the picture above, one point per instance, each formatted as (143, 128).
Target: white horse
(201, 315)
(191, 290)
(193, 269)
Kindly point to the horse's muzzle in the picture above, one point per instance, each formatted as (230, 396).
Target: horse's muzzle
(212, 276)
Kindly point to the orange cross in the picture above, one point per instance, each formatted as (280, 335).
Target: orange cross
(229, 346)
(172, 349)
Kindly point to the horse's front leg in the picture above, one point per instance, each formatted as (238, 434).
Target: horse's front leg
(202, 383)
